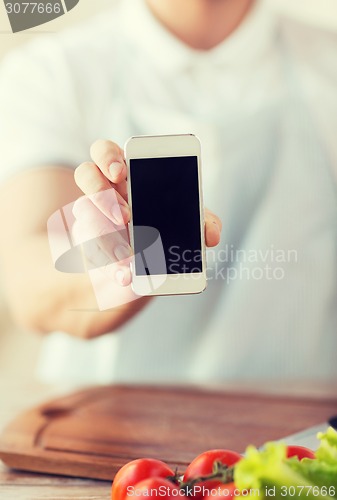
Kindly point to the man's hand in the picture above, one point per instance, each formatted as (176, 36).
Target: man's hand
(106, 209)
(40, 297)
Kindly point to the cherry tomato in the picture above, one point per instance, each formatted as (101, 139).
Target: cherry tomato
(134, 472)
(203, 466)
(299, 452)
(154, 488)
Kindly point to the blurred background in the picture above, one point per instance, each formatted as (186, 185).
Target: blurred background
(318, 12)
(19, 349)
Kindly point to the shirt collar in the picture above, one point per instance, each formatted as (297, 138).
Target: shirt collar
(242, 48)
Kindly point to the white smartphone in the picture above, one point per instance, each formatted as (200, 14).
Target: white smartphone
(167, 215)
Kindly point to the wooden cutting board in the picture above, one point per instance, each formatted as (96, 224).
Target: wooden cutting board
(94, 432)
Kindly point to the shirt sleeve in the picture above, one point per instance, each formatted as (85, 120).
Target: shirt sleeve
(40, 116)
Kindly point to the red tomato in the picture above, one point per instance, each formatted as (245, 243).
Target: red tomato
(154, 488)
(299, 452)
(203, 466)
(134, 472)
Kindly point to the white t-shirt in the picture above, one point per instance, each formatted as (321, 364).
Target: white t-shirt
(264, 105)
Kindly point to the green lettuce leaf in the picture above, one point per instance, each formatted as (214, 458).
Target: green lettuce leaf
(317, 472)
(327, 451)
(269, 471)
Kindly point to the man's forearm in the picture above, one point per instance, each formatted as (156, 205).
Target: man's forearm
(40, 297)
(45, 300)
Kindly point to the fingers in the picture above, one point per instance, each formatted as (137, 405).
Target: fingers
(102, 215)
(107, 168)
(93, 183)
(101, 242)
(213, 227)
(123, 275)
(94, 224)
(89, 178)
(109, 158)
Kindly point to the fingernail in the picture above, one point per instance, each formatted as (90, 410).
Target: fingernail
(125, 212)
(122, 252)
(120, 214)
(117, 214)
(120, 276)
(115, 169)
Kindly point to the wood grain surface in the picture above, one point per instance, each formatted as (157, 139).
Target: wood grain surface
(16, 396)
(200, 420)
(94, 432)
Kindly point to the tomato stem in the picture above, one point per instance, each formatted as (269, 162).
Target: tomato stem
(220, 471)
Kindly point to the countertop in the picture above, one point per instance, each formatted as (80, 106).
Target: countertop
(16, 396)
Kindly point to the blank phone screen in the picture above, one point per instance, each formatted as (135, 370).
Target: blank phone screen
(165, 197)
